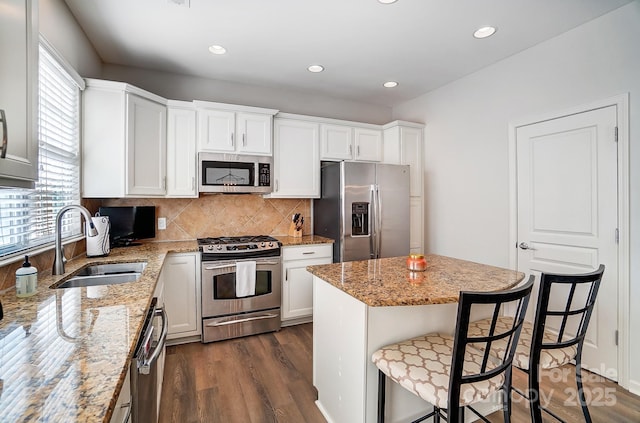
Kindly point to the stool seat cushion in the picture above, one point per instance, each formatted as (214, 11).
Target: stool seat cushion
(549, 358)
(422, 365)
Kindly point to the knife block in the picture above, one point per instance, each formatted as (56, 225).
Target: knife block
(296, 233)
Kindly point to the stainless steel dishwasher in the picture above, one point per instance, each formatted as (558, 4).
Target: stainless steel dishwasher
(144, 368)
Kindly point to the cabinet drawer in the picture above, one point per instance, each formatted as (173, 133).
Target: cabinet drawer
(307, 252)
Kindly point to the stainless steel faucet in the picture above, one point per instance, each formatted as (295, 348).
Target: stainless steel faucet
(59, 259)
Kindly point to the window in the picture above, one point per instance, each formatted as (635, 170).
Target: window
(27, 217)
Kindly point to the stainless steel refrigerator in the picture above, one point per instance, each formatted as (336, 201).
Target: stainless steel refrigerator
(364, 207)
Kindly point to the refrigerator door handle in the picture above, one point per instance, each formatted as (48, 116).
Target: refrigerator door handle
(378, 222)
(372, 224)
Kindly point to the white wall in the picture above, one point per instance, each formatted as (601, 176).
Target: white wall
(60, 28)
(183, 87)
(466, 137)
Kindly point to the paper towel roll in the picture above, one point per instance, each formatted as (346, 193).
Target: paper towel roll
(99, 245)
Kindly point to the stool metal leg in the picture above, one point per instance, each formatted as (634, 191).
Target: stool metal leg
(581, 397)
(381, 388)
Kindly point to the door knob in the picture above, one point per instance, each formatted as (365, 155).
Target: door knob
(525, 246)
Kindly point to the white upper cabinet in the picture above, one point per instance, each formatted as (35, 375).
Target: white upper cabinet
(341, 142)
(336, 142)
(296, 159)
(18, 93)
(181, 149)
(403, 145)
(124, 141)
(146, 149)
(368, 144)
(225, 128)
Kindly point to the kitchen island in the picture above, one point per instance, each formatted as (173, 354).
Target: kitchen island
(361, 306)
(65, 353)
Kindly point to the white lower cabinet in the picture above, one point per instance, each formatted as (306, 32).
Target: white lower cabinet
(122, 409)
(180, 274)
(297, 283)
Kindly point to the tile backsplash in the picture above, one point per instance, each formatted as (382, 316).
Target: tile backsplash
(191, 218)
(222, 215)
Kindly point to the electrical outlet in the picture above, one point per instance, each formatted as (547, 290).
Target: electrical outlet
(162, 223)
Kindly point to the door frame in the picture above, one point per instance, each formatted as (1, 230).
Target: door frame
(621, 102)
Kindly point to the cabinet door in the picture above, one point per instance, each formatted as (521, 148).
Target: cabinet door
(216, 131)
(18, 92)
(336, 142)
(181, 152)
(146, 146)
(368, 145)
(296, 159)
(181, 294)
(254, 133)
(122, 409)
(411, 154)
(297, 284)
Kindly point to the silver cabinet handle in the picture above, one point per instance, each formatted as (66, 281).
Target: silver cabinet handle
(193, 182)
(358, 151)
(286, 274)
(232, 141)
(308, 252)
(350, 149)
(276, 188)
(247, 319)
(525, 246)
(146, 366)
(244, 140)
(5, 139)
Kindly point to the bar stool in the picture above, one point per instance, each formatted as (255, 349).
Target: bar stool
(446, 370)
(540, 348)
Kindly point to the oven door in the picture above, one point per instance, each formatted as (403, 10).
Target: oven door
(219, 287)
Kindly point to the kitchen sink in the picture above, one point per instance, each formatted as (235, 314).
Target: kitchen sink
(105, 274)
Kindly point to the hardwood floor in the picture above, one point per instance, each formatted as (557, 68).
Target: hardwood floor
(262, 378)
(268, 378)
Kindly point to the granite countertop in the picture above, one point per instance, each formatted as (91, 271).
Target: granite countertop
(387, 282)
(288, 241)
(65, 352)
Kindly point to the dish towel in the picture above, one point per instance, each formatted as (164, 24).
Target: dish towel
(245, 278)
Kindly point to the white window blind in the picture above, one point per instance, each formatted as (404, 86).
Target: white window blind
(27, 217)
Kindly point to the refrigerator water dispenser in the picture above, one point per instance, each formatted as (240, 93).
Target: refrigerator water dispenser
(360, 219)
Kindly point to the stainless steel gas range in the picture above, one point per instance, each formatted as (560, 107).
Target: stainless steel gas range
(241, 286)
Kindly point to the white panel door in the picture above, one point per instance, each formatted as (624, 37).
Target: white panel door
(567, 214)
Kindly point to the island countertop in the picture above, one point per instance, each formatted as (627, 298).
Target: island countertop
(387, 282)
(65, 352)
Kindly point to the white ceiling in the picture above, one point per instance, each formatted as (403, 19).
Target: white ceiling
(422, 44)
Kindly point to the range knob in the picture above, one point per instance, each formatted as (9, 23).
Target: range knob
(271, 244)
(262, 244)
(219, 247)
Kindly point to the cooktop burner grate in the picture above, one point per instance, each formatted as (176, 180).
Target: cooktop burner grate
(229, 240)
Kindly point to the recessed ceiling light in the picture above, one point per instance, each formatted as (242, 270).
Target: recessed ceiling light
(387, 1)
(484, 32)
(315, 68)
(217, 49)
(390, 84)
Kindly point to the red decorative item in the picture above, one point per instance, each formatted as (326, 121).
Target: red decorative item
(416, 263)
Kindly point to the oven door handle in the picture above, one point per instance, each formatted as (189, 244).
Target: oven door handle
(222, 266)
(247, 319)
(145, 367)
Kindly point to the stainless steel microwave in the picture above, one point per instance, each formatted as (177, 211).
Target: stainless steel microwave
(234, 173)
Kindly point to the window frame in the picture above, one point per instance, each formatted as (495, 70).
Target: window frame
(47, 245)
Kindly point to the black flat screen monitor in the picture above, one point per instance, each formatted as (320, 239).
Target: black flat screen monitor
(130, 223)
